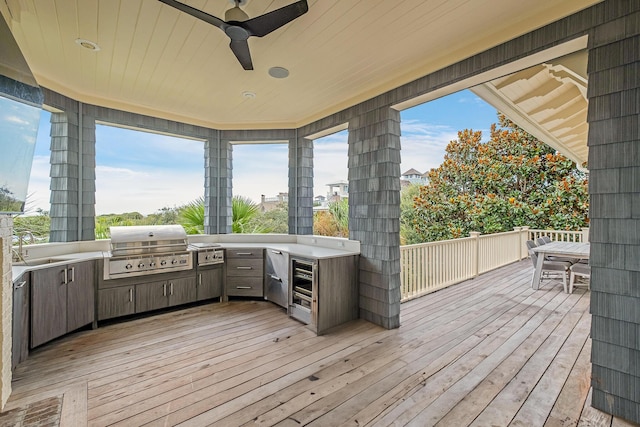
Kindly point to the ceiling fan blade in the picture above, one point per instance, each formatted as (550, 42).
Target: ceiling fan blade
(241, 49)
(196, 13)
(264, 24)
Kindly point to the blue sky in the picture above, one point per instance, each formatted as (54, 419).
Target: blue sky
(18, 126)
(161, 171)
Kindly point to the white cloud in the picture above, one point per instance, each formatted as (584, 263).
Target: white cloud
(121, 190)
(257, 169)
(260, 169)
(16, 120)
(423, 145)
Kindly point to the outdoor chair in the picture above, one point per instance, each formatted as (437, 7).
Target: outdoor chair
(582, 270)
(550, 269)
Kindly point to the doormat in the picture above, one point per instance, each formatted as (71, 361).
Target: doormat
(43, 413)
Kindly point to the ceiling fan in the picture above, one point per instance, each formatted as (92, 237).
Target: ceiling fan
(239, 27)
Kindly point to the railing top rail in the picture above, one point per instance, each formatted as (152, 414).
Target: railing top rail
(438, 242)
(504, 233)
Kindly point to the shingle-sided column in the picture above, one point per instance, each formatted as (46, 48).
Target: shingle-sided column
(217, 185)
(374, 212)
(614, 164)
(301, 186)
(73, 178)
(64, 177)
(88, 172)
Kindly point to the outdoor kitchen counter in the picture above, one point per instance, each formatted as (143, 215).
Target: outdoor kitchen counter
(296, 249)
(316, 247)
(30, 264)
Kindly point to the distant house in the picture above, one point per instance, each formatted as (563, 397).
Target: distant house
(270, 203)
(337, 191)
(412, 176)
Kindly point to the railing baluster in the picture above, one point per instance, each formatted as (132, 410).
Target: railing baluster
(427, 267)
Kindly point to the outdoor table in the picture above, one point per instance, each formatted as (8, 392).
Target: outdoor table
(563, 249)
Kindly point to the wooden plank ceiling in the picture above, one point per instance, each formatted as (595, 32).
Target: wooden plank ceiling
(549, 101)
(156, 60)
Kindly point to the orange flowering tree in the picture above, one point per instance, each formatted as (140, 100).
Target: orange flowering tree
(509, 181)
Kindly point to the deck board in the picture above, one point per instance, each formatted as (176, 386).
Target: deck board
(489, 351)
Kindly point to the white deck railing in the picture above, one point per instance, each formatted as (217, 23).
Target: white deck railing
(561, 235)
(427, 267)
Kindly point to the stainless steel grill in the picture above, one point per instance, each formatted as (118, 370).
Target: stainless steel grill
(142, 250)
(208, 253)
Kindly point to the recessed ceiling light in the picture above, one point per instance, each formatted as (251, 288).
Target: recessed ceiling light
(278, 72)
(248, 95)
(87, 44)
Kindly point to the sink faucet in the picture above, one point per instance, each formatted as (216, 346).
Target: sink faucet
(19, 255)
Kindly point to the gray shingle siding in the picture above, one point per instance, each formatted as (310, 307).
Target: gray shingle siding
(614, 162)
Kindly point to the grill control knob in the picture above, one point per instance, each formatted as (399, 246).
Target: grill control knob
(128, 266)
(152, 264)
(140, 265)
(163, 262)
(174, 261)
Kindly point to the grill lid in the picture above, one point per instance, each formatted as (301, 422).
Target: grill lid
(140, 239)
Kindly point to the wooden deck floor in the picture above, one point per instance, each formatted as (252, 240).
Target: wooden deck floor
(490, 351)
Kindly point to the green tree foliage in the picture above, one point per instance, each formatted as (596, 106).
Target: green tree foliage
(8, 203)
(243, 210)
(191, 216)
(408, 215)
(37, 225)
(275, 220)
(246, 217)
(103, 222)
(511, 180)
(165, 215)
(334, 221)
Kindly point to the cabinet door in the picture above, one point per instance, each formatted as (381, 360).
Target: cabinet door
(209, 283)
(276, 279)
(151, 296)
(116, 302)
(80, 294)
(182, 291)
(20, 336)
(48, 304)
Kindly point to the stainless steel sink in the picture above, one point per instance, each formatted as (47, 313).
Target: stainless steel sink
(40, 261)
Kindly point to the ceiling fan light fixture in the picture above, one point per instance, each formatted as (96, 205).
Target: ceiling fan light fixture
(278, 72)
(88, 44)
(235, 13)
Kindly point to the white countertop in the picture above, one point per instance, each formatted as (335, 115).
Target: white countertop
(30, 264)
(295, 249)
(317, 247)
